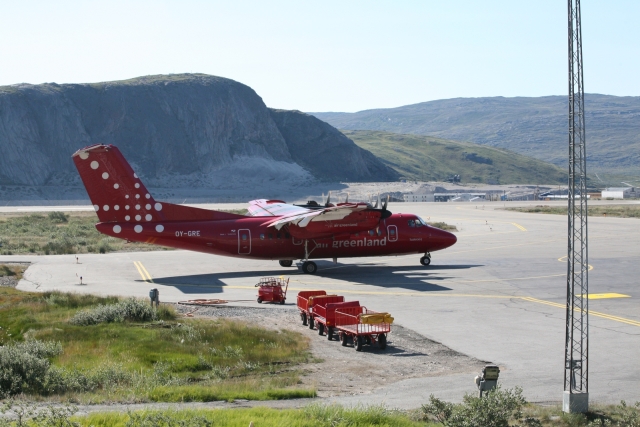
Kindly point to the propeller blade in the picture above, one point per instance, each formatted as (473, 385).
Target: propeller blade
(328, 199)
(386, 202)
(347, 199)
(377, 200)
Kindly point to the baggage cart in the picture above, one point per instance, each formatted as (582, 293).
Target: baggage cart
(272, 289)
(324, 315)
(303, 303)
(362, 326)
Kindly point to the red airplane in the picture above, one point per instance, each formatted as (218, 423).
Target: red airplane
(272, 230)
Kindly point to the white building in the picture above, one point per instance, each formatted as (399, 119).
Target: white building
(618, 193)
(427, 197)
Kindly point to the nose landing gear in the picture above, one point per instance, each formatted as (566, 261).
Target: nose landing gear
(426, 259)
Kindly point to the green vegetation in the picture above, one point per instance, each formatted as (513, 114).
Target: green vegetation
(620, 211)
(500, 410)
(86, 348)
(425, 158)
(14, 271)
(503, 408)
(58, 233)
(443, 226)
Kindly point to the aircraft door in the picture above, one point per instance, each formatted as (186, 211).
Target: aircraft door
(244, 241)
(392, 233)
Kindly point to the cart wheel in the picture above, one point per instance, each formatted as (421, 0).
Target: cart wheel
(320, 329)
(259, 300)
(343, 339)
(367, 340)
(330, 333)
(382, 341)
(310, 322)
(357, 342)
(286, 263)
(282, 302)
(303, 316)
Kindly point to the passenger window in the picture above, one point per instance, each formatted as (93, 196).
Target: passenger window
(262, 237)
(244, 237)
(379, 232)
(287, 235)
(392, 232)
(372, 233)
(278, 235)
(270, 236)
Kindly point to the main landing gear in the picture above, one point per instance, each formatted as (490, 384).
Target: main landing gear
(285, 263)
(308, 267)
(426, 259)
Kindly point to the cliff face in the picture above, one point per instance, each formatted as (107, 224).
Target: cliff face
(326, 152)
(175, 130)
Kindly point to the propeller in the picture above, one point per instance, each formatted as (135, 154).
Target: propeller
(328, 200)
(347, 199)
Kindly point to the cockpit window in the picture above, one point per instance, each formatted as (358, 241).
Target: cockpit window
(411, 223)
(422, 221)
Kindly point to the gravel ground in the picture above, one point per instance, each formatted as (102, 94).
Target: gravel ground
(338, 370)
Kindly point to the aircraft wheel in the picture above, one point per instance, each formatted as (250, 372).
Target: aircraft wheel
(382, 341)
(285, 263)
(425, 260)
(309, 267)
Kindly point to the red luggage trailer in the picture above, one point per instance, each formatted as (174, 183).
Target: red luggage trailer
(349, 325)
(324, 315)
(270, 290)
(320, 300)
(303, 304)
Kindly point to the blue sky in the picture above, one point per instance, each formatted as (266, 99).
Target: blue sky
(326, 55)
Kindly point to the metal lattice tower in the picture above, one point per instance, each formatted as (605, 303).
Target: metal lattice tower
(576, 354)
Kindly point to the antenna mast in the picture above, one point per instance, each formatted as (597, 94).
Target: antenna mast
(576, 353)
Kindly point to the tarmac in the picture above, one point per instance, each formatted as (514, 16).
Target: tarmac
(498, 295)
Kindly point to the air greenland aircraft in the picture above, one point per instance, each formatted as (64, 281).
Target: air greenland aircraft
(273, 229)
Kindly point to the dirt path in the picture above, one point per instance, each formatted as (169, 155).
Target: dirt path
(339, 370)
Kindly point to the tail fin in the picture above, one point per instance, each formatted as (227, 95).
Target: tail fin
(118, 194)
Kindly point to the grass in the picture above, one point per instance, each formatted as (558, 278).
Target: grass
(59, 233)
(12, 270)
(169, 360)
(619, 211)
(443, 226)
(425, 158)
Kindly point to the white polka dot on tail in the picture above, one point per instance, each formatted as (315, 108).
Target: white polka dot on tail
(138, 228)
(105, 207)
(159, 228)
(116, 186)
(137, 207)
(84, 155)
(117, 229)
(94, 165)
(138, 217)
(116, 207)
(148, 207)
(148, 217)
(137, 185)
(158, 206)
(96, 207)
(148, 196)
(127, 217)
(105, 175)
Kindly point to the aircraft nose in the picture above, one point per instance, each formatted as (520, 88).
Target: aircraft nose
(444, 239)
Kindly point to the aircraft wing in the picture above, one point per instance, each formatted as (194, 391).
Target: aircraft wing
(264, 207)
(302, 219)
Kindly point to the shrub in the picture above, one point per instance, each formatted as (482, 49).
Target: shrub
(58, 217)
(128, 310)
(494, 410)
(24, 366)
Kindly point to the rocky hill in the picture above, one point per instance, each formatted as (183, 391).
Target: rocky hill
(536, 127)
(190, 130)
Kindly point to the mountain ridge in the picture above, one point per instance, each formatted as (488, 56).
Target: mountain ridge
(536, 127)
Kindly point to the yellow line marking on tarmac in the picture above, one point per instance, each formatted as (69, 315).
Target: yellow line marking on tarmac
(564, 258)
(519, 226)
(605, 296)
(592, 313)
(143, 272)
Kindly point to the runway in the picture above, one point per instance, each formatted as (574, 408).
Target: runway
(497, 295)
